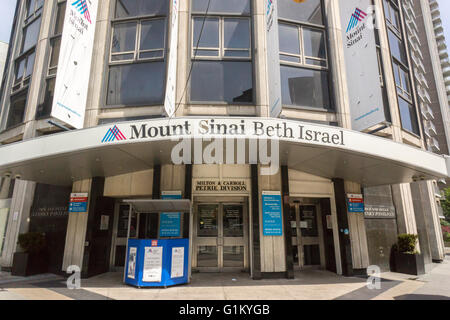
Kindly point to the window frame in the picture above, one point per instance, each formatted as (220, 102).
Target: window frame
(221, 48)
(192, 59)
(25, 55)
(393, 7)
(402, 88)
(25, 80)
(302, 56)
(400, 92)
(113, 20)
(328, 68)
(15, 95)
(136, 52)
(28, 19)
(51, 72)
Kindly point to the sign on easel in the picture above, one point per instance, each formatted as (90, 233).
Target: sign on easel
(132, 257)
(177, 270)
(152, 264)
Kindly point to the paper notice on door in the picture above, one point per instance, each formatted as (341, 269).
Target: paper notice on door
(177, 263)
(152, 264)
(132, 263)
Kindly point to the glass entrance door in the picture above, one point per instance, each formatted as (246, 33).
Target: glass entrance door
(120, 233)
(306, 235)
(221, 237)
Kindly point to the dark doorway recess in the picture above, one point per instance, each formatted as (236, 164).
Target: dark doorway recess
(330, 256)
(97, 248)
(49, 215)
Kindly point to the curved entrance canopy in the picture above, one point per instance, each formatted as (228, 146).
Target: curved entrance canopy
(325, 151)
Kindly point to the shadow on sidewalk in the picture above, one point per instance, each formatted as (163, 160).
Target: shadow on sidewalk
(115, 280)
(421, 297)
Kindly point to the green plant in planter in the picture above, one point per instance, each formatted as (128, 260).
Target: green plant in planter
(32, 242)
(406, 243)
(447, 237)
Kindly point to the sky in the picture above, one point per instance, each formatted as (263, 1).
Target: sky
(8, 7)
(6, 19)
(444, 7)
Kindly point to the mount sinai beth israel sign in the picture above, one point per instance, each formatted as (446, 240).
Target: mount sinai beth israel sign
(227, 128)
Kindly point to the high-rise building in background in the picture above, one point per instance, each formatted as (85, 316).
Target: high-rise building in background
(429, 50)
(441, 43)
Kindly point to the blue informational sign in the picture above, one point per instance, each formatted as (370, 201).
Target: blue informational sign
(78, 207)
(272, 214)
(355, 203)
(78, 202)
(167, 265)
(170, 222)
(169, 225)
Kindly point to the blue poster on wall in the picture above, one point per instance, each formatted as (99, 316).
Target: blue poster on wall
(355, 203)
(272, 214)
(170, 222)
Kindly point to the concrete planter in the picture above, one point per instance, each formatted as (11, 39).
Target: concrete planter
(28, 264)
(447, 244)
(409, 263)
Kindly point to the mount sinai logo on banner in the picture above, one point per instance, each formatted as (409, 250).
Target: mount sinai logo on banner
(113, 134)
(82, 8)
(356, 27)
(357, 17)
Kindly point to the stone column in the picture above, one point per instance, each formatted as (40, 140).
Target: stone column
(357, 228)
(76, 229)
(273, 253)
(18, 220)
(428, 223)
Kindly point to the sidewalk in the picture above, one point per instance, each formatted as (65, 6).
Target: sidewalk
(437, 284)
(6, 278)
(307, 285)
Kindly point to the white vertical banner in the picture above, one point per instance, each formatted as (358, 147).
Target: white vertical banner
(74, 66)
(171, 86)
(361, 61)
(273, 59)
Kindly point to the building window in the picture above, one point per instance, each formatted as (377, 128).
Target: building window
(17, 109)
(222, 69)
(303, 55)
(381, 73)
(239, 7)
(24, 62)
(402, 81)
(45, 106)
(34, 9)
(308, 12)
(137, 63)
(401, 69)
(23, 71)
(408, 116)
(393, 15)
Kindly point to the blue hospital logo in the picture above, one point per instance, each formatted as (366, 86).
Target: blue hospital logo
(113, 134)
(83, 9)
(356, 18)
